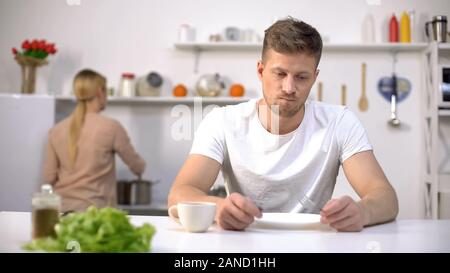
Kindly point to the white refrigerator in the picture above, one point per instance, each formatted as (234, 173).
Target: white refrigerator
(24, 122)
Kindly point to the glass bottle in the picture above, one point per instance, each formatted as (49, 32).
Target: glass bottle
(368, 29)
(413, 25)
(46, 206)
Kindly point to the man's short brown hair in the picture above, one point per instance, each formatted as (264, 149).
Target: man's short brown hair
(290, 36)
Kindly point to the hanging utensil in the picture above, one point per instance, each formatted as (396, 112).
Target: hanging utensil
(394, 121)
(363, 101)
(319, 91)
(343, 94)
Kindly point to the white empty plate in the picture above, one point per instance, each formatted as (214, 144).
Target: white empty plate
(288, 221)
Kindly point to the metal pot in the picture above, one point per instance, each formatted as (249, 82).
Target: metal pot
(438, 29)
(134, 192)
(123, 192)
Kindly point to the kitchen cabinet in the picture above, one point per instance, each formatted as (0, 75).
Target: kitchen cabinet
(436, 128)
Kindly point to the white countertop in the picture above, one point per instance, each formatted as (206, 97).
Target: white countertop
(398, 236)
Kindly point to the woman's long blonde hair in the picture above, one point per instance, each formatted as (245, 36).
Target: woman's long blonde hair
(85, 86)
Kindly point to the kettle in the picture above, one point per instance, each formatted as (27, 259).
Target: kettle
(210, 85)
(438, 29)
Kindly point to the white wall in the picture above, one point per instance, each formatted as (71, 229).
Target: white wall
(113, 36)
(137, 35)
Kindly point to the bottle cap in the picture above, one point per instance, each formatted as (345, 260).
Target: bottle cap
(46, 198)
(128, 75)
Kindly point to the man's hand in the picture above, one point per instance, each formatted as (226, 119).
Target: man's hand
(343, 214)
(236, 212)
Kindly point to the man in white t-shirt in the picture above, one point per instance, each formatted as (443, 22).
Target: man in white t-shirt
(282, 153)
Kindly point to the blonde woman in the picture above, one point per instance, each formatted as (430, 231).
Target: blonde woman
(81, 148)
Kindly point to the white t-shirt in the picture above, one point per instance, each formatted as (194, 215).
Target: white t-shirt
(295, 172)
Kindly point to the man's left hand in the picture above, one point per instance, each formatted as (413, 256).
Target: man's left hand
(343, 214)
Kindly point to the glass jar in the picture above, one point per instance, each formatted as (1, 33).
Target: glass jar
(46, 206)
(127, 85)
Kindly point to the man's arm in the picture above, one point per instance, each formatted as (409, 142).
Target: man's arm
(194, 180)
(378, 202)
(193, 183)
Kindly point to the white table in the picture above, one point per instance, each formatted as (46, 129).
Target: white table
(399, 236)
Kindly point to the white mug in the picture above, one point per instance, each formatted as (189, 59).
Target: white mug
(194, 216)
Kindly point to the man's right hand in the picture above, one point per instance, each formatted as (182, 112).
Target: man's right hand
(237, 212)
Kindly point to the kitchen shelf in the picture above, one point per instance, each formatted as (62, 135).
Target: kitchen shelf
(445, 46)
(393, 48)
(167, 100)
(444, 112)
(220, 46)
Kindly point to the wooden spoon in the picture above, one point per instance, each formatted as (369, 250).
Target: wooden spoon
(319, 91)
(344, 94)
(363, 101)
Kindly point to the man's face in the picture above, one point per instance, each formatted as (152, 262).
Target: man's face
(287, 80)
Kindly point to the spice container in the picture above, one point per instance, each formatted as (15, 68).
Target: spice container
(46, 206)
(127, 85)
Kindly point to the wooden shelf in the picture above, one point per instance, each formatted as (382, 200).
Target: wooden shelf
(167, 100)
(390, 47)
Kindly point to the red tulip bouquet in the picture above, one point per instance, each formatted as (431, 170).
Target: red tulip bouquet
(35, 51)
(33, 54)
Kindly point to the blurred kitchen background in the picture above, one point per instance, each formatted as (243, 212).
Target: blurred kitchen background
(168, 43)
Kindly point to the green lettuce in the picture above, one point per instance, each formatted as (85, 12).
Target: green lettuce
(96, 230)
